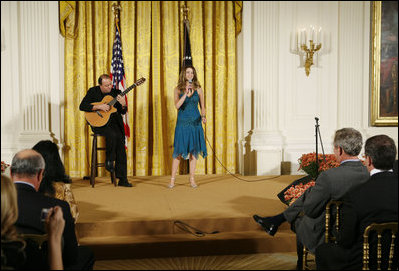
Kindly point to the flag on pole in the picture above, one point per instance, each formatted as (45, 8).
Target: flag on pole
(187, 59)
(118, 74)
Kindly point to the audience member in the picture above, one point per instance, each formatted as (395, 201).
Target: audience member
(55, 183)
(306, 214)
(16, 253)
(374, 201)
(27, 169)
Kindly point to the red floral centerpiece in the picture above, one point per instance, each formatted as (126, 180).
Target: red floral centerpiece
(4, 166)
(307, 163)
(295, 191)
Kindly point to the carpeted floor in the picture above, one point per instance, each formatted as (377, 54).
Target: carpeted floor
(260, 261)
(216, 196)
(134, 228)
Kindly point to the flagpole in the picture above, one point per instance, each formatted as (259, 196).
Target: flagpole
(116, 8)
(185, 10)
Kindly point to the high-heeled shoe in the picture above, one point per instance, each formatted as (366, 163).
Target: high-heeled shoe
(192, 182)
(172, 183)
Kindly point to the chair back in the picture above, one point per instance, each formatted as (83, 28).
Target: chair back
(379, 228)
(332, 220)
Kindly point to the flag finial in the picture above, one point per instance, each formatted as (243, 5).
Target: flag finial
(116, 8)
(185, 10)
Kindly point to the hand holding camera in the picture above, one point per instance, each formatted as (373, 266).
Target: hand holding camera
(54, 222)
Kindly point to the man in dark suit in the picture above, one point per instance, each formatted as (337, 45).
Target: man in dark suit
(306, 214)
(27, 170)
(374, 201)
(114, 130)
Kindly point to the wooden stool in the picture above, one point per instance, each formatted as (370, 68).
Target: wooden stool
(94, 164)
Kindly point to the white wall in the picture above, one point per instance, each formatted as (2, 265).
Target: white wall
(278, 103)
(31, 75)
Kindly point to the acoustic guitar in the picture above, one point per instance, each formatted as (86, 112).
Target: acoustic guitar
(100, 118)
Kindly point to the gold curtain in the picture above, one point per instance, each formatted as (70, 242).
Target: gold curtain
(152, 45)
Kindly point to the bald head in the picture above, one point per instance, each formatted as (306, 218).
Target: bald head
(27, 163)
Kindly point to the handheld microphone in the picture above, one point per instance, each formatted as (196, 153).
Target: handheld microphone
(190, 82)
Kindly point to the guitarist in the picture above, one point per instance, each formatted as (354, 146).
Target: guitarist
(113, 131)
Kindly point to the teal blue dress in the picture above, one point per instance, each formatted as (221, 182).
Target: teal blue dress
(189, 135)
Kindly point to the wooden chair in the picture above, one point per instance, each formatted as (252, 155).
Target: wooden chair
(95, 164)
(379, 228)
(332, 224)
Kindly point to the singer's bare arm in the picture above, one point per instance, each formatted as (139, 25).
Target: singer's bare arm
(179, 101)
(202, 104)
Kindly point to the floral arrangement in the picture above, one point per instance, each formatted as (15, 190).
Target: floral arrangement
(4, 166)
(295, 191)
(307, 163)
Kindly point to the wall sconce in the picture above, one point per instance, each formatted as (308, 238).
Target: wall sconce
(307, 47)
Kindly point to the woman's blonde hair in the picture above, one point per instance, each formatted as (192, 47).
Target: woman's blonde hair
(181, 85)
(9, 209)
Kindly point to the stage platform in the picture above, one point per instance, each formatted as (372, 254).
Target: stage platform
(140, 222)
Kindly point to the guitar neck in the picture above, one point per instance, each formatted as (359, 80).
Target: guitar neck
(111, 103)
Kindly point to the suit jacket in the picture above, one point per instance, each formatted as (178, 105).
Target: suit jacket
(308, 211)
(30, 205)
(93, 95)
(374, 201)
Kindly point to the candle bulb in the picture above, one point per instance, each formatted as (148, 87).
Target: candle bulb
(312, 33)
(319, 35)
(307, 36)
(292, 42)
(302, 37)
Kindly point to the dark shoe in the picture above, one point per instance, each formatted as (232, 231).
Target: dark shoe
(124, 182)
(267, 225)
(109, 165)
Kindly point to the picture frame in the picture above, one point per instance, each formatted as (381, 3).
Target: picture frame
(384, 63)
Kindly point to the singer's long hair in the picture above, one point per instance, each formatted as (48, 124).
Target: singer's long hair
(181, 85)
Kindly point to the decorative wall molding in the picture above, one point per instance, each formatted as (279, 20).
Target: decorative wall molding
(31, 73)
(281, 112)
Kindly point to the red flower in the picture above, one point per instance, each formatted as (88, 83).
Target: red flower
(307, 163)
(294, 192)
(4, 166)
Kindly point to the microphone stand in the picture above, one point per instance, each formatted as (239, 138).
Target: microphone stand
(318, 135)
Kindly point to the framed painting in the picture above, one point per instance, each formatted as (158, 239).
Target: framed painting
(384, 63)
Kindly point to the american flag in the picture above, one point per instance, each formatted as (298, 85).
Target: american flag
(118, 74)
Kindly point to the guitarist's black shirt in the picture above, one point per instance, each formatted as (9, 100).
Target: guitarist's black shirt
(95, 94)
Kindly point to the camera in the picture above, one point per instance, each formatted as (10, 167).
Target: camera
(44, 214)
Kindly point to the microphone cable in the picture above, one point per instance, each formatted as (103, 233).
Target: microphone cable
(239, 178)
(190, 229)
